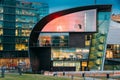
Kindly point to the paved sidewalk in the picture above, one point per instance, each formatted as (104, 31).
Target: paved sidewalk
(87, 75)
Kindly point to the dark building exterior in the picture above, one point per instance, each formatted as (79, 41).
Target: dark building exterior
(71, 40)
(17, 19)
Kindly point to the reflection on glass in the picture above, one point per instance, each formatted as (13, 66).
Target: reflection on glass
(99, 42)
(29, 19)
(53, 39)
(75, 64)
(69, 53)
(88, 40)
(22, 32)
(25, 12)
(24, 25)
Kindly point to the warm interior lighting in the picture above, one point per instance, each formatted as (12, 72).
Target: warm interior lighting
(1, 47)
(21, 47)
(12, 63)
(109, 54)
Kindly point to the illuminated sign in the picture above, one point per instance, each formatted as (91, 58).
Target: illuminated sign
(82, 21)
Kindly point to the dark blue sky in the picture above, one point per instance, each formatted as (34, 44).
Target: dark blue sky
(56, 5)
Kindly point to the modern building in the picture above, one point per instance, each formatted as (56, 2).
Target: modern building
(113, 49)
(71, 40)
(113, 44)
(17, 18)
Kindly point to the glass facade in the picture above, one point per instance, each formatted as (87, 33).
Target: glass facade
(59, 39)
(62, 55)
(98, 46)
(113, 51)
(53, 39)
(69, 57)
(57, 35)
(54, 45)
(112, 57)
(17, 18)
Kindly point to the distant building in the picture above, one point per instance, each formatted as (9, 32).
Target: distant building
(113, 49)
(116, 18)
(17, 18)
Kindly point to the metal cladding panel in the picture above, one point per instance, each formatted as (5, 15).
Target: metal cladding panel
(76, 40)
(40, 58)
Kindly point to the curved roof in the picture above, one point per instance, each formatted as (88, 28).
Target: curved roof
(40, 25)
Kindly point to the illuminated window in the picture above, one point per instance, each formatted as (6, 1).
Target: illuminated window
(21, 47)
(45, 41)
(113, 51)
(75, 64)
(12, 63)
(1, 47)
(84, 64)
(1, 31)
(24, 25)
(69, 53)
(26, 12)
(1, 10)
(87, 40)
(109, 54)
(53, 39)
(16, 32)
(26, 32)
(22, 32)
(29, 19)
(21, 40)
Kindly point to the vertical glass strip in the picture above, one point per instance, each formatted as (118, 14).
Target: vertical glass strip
(98, 44)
